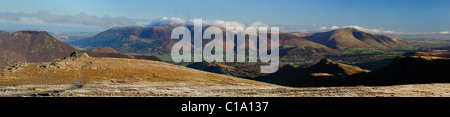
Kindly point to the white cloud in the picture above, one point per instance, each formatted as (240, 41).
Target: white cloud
(334, 27)
(223, 24)
(174, 21)
(259, 24)
(320, 28)
(370, 30)
(444, 32)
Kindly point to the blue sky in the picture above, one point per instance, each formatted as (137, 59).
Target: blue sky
(409, 16)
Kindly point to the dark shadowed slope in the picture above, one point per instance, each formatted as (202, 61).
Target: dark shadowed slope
(403, 70)
(240, 70)
(409, 70)
(321, 74)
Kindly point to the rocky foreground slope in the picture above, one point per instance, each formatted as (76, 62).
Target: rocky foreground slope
(81, 75)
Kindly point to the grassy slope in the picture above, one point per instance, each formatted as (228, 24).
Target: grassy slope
(105, 69)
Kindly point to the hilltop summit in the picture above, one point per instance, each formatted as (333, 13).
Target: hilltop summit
(31, 46)
(331, 67)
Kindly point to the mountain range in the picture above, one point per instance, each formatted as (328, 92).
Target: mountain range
(156, 39)
(133, 39)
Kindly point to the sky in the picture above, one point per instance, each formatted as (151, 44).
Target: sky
(378, 16)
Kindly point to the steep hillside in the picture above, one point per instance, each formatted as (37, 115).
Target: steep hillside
(31, 46)
(10, 58)
(292, 40)
(133, 39)
(296, 48)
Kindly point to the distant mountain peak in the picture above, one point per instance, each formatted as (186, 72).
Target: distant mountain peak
(32, 46)
(352, 37)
